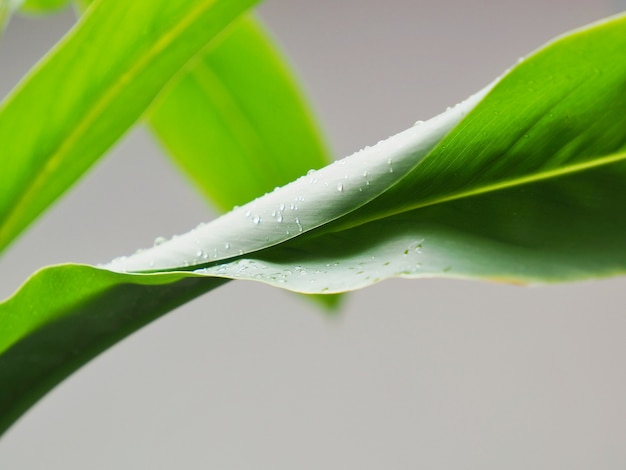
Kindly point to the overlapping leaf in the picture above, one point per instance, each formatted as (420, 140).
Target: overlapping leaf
(526, 188)
(236, 122)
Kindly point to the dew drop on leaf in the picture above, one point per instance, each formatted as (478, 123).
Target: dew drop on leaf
(159, 241)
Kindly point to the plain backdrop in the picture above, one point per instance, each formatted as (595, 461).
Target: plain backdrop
(431, 374)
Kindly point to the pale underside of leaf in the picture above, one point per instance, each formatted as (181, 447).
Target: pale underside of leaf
(311, 201)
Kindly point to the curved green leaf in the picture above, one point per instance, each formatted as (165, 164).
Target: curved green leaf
(66, 315)
(527, 187)
(89, 90)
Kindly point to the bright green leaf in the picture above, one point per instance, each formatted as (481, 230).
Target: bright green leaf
(89, 90)
(43, 6)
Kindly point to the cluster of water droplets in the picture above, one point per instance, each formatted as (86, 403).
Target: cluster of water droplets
(402, 258)
(314, 199)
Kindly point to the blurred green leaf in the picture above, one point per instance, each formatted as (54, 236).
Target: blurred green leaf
(43, 6)
(89, 90)
(236, 122)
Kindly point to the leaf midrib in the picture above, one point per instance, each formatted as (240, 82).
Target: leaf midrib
(490, 188)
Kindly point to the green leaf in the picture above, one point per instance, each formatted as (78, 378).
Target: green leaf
(522, 183)
(43, 6)
(89, 90)
(237, 134)
(66, 315)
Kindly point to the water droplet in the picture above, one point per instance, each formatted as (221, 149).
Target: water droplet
(279, 218)
(310, 172)
(298, 224)
(418, 123)
(390, 163)
(159, 241)
(256, 220)
(248, 214)
(340, 187)
(227, 246)
(282, 207)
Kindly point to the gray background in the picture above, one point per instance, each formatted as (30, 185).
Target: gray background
(415, 374)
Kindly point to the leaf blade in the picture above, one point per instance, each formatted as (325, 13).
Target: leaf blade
(85, 310)
(72, 116)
